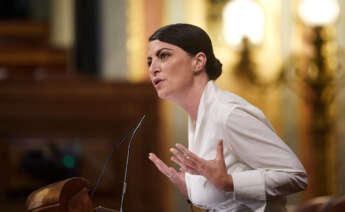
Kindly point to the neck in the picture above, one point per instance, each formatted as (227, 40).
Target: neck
(190, 99)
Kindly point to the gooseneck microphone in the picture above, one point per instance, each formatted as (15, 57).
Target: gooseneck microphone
(108, 160)
(127, 163)
(133, 132)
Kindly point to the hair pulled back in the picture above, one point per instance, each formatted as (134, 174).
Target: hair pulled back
(193, 40)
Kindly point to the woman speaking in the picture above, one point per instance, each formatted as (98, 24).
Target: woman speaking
(235, 161)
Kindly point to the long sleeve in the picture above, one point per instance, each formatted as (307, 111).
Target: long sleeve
(276, 171)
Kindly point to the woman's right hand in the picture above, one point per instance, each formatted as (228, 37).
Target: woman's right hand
(177, 178)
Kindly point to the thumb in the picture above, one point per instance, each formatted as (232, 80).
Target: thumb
(220, 154)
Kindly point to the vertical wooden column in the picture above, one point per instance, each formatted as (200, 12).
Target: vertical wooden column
(136, 40)
(114, 40)
(62, 23)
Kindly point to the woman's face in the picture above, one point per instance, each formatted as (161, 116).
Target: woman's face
(170, 69)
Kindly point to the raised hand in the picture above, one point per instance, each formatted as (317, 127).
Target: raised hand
(177, 178)
(213, 170)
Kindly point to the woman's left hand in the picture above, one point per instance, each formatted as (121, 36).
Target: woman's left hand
(213, 170)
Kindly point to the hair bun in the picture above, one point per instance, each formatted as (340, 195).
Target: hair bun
(215, 69)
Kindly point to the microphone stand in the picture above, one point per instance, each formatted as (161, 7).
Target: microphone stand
(107, 161)
(133, 132)
(124, 189)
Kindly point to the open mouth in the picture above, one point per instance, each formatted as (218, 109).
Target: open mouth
(157, 81)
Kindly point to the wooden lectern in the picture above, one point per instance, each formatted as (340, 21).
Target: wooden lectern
(70, 195)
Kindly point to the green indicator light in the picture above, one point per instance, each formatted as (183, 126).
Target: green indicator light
(68, 161)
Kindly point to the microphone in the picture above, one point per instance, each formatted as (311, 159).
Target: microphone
(108, 160)
(127, 163)
(133, 132)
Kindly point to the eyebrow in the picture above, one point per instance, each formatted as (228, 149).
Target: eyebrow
(159, 51)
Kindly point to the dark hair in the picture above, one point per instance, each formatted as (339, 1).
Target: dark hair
(193, 40)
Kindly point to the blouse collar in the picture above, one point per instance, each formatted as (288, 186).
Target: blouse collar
(205, 101)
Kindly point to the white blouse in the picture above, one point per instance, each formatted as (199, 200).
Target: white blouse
(263, 168)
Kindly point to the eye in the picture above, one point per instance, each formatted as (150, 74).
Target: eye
(149, 62)
(164, 55)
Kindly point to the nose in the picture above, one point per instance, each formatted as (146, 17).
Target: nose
(154, 68)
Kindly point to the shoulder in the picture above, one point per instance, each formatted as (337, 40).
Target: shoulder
(231, 102)
(229, 108)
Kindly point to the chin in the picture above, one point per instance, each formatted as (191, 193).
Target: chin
(162, 95)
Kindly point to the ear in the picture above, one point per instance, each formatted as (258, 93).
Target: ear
(199, 62)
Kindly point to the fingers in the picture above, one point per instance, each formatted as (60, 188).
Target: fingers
(162, 167)
(182, 159)
(187, 160)
(220, 153)
(158, 163)
(188, 154)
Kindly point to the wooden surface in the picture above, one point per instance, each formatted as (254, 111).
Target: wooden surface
(67, 195)
(25, 51)
(73, 107)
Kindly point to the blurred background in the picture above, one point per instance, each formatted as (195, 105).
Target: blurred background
(73, 80)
